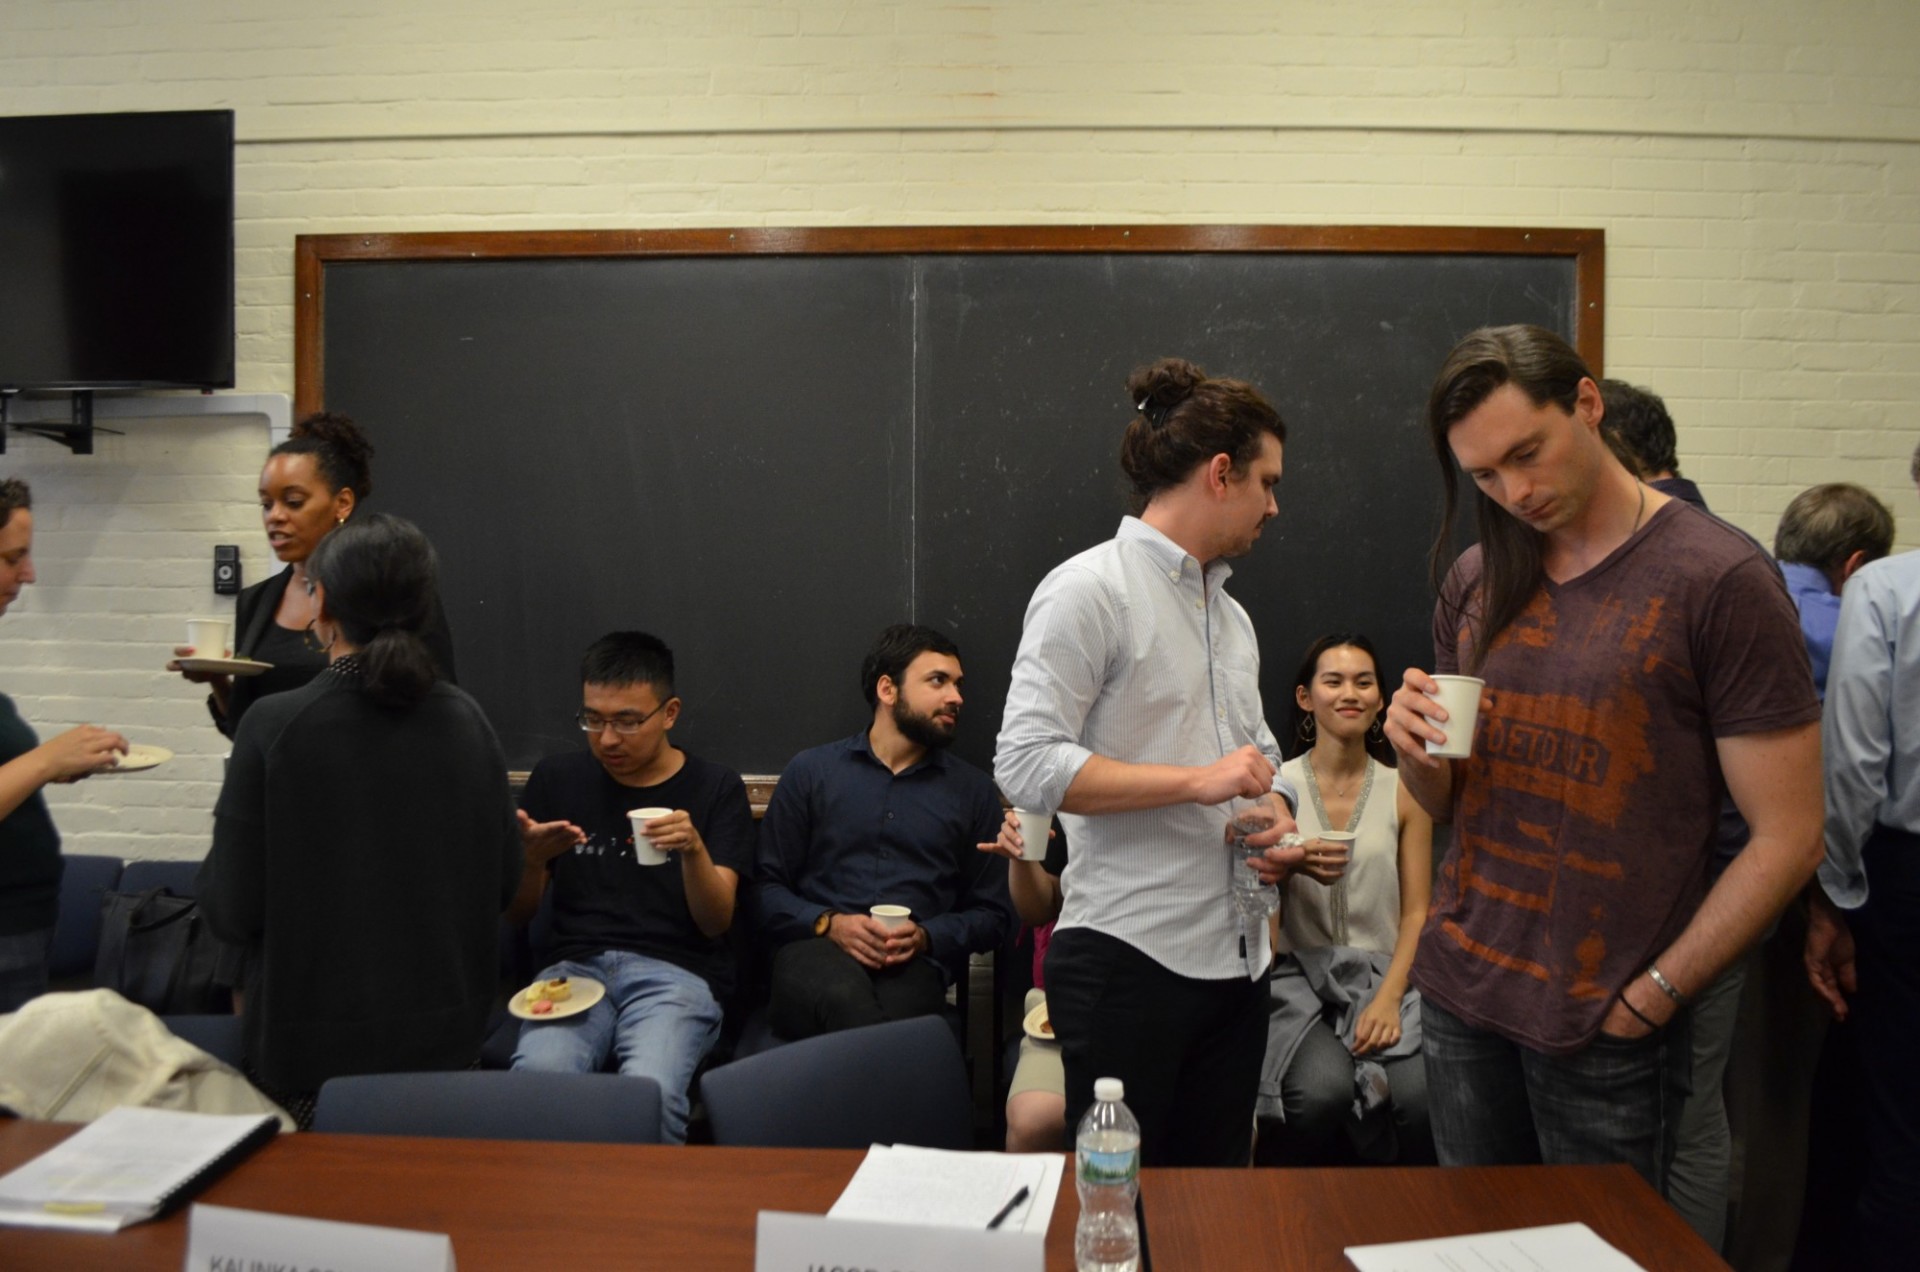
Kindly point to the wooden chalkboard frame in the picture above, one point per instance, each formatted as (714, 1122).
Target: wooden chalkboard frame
(314, 252)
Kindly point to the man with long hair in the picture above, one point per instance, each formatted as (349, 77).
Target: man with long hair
(1641, 658)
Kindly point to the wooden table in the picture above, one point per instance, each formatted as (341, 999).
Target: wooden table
(590, 1206)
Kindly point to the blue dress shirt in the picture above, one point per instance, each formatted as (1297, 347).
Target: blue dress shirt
(1819, 614)
(1871, 727)
(843, 833)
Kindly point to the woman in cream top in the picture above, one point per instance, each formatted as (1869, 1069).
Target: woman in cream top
(1372, 899)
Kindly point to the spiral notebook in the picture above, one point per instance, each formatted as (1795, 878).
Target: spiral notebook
(128, 1166)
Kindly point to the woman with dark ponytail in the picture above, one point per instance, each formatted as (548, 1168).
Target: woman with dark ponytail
(364, 844)
(311, 486)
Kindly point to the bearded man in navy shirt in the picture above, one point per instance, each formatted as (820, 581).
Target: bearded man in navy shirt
(885, 817)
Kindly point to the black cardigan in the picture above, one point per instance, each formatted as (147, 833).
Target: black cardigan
(364, 856)
(253, 612)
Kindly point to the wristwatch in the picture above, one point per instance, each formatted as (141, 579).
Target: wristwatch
(821, 924)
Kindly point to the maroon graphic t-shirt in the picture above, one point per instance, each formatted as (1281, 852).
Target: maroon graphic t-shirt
(1585, 823)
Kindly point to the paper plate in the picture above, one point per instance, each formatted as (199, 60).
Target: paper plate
(585, 994)
(138, 759)
(224, 666)
(1039, 1025)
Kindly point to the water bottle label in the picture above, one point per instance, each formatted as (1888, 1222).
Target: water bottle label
(1109, 1168)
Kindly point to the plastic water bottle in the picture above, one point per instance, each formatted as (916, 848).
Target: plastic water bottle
(1107, 1172)
(1252, 899)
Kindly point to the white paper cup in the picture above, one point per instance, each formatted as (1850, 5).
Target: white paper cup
(208, 636)
(891, 916)
(1033, 833)
(1460, 695)
(643, 850)
(1341, 839)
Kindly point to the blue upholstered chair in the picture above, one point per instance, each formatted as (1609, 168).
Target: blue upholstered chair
(178, 877)
(903, 1082)
(76, 932)
(602, 1108)
(219, 1036)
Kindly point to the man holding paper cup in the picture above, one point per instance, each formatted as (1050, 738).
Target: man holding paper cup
(870, 893)
(643, 846)
(1641, 659)
(1134, 710)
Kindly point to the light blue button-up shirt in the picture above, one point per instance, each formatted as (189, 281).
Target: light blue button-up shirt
(1132, 651)
(1870, 729)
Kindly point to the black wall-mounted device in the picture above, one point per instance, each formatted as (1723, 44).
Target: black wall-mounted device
(226, 568)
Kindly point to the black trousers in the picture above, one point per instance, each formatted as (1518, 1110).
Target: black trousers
(1188, 1050)
(1886, 1014)
(820, 988)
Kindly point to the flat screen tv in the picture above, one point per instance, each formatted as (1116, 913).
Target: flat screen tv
(116, 251)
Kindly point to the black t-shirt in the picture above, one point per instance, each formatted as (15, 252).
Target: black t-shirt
(603, 899)
(29, 845)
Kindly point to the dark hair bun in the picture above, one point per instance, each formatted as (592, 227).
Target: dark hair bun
(1181, 417)
(1165, 384)
(343, 452)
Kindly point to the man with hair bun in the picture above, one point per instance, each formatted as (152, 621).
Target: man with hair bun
(1134, 711)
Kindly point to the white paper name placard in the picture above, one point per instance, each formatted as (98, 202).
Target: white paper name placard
(222, 1239)
(815, 1243)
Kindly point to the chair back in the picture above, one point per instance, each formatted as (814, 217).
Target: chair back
(222, 1037)
(903, 1082)
(76, 931)
(178, 877)
(580, 1108)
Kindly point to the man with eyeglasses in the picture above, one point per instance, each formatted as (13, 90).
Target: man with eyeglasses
(885, 817)
(652, 935)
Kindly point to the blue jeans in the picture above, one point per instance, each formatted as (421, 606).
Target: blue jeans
(1699, 1179)
(23, 967)
(657, 1021)
(1494, 1102)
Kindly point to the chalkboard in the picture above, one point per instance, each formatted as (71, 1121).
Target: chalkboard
(764, 446)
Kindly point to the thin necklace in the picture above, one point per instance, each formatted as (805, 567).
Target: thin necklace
(1340, 792)
(1641, 511)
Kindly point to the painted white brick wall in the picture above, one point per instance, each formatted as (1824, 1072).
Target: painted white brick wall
(1755, 166)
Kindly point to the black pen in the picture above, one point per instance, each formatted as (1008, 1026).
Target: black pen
(1013, 1204)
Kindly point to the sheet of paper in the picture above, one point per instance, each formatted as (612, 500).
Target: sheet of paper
(938, 1187)
(1562, 1247)
(119, 1169)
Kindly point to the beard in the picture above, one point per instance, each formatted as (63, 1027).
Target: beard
(923, 730)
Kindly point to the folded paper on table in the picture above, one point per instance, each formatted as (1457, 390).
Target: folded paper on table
(130, 1164)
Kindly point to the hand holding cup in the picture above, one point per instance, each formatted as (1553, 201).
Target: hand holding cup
(206, 638)
(1328, 854)
(1432, 718)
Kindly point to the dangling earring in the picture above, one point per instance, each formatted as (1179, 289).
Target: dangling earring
(1305, 730)
(1374, 732)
